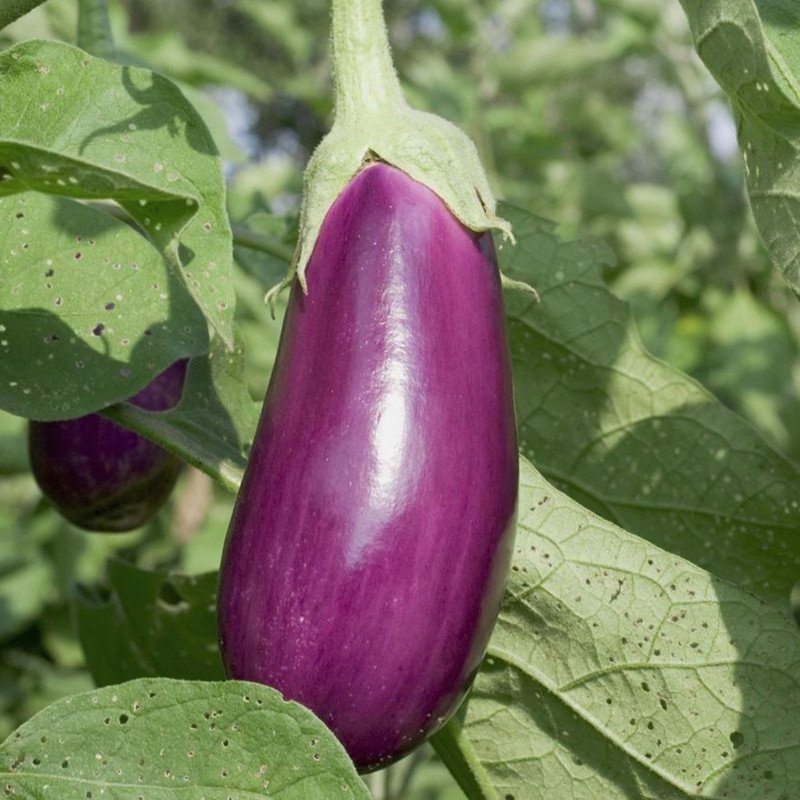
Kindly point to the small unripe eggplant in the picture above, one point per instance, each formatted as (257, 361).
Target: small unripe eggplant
(99, 475)
(368, 549)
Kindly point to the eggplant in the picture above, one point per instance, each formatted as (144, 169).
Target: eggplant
(371, 538)
(99, 475)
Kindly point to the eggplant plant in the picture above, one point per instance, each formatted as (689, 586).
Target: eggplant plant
(576, 583)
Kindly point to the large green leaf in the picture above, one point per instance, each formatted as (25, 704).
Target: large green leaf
(756, 59)
(780, 20)
(74, 125)
(161, 739)
(88, 309)
(633, 439)
(618, 670)
(150, 624)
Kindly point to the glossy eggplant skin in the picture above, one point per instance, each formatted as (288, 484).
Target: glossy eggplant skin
(371, 538)
(99, 475)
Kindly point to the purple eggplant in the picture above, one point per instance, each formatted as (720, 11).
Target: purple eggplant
(369, 546)
(99, 475)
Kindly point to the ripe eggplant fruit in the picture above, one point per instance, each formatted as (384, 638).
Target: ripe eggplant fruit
(369, 545)
(99, 475)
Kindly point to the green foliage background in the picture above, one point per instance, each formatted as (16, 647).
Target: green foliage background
(595, 113)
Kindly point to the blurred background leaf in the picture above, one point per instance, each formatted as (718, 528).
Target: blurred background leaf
(149, 624)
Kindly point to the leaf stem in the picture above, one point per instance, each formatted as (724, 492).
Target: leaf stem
(94, 28)
(371, 781)
(364, 77)
(244, 237)
(388, 773)
(12, 10)
(226, 472)
(416, 758)
(458, 756)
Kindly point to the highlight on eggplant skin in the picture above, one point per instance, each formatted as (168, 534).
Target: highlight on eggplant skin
(369, 546)
(101, 476)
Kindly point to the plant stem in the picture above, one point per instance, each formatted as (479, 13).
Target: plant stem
(411, 767)
(463, 763)
(387, 783)
(371, 780)
(244, 237)
(94, 28)
(154, 427)
(364, 76)
(12, 10)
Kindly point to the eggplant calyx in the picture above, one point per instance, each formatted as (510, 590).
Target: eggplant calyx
(373, 122)
(272, 294)
(519, 286)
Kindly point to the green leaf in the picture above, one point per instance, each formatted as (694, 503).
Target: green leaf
(37, 683)
(13, 445)
(748, 361)
(756, 63)
(160, 739)
(213, 425)
(94, 28)
(216, 122)
(60, 640)
(560, 58)
(25, 586)
(170, 54)
(618, 670)
(150, 624)
(780, 20)
(632, 438)
(75, 125)
(14, 9)
(89, 311)
(26, 578)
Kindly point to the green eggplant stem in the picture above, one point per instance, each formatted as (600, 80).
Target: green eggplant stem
(364, 77)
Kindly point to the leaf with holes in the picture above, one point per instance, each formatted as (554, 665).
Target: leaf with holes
(150, 624)
(88, 309)
(751, 47)
(618, 670)
(75, 125)
(642, 444)
(212, 427)
(157, 739)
